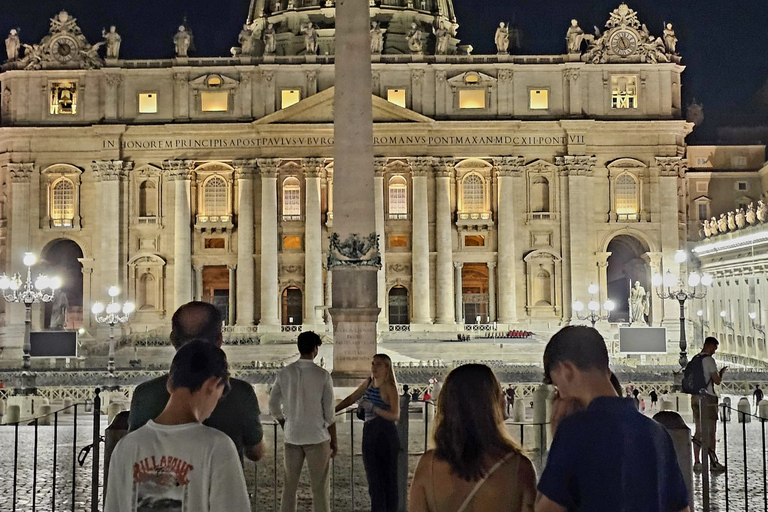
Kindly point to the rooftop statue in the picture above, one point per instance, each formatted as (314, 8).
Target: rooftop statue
(415, 38)
(113, 41)
(377, 38)
(270, 45)
(33, 56)
(502, 38)
(90, 56)
(181, 42)
(574, 37)
(12, 45)
(246, 39)
(310, 38)
(670, 40)
(443, 39)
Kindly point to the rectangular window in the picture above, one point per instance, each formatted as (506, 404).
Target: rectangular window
(291, 242)
(738, 162)
(148, 103)
(215, 243)
(398, 241)
(396, 96)
(538, 99)
(214, 101)
(289, 97)
(63, 98)
(291, 203)
(471, 98)
(623, 91)
(474, 241)
(703, 211)
(742, 186)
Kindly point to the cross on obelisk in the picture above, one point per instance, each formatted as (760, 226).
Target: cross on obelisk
(353, 256)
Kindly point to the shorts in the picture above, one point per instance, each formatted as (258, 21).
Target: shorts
(709, 403)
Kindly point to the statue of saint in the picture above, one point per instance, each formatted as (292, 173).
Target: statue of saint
(113, 42)
(270, 44)
(638, 304)
(415, 38)
(59, 311)
(502, 38)
(443, 39)
(377, 38)
(12, 45)
(246, 41)
(670, 40)
(574, 37)
(181, 42)
(310, 39)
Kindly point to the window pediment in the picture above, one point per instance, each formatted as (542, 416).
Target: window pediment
(214, 82)
(472, 79)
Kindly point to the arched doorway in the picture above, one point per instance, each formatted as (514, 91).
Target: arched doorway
(398, 306)
(292, 306)
(474, 293)
(60, 258)
(216, 288)
(625, 266)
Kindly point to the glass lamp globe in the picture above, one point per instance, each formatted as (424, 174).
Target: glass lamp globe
(128, 308)
(54, 283)
(593, 289)
(700, 313)
(706, 280)
(113, 308)
(113, 291)
(722, 314)
(97, 308)
(5, 282)
(694, 279)
(578, 306)
(681, 256)
(593, 305)
(29, 259)
(42, 282)
(609, 305)
(15, 284)
(752, 315)
(657, 280)
(669, 279)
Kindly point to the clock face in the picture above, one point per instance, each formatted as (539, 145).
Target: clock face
(623, 43)
(64, 48)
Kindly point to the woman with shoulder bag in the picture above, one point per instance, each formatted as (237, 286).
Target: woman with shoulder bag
(476, 466)
(381, 445)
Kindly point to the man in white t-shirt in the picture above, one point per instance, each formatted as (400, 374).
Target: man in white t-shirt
(302, 402)
(705, 415)
(174, 462)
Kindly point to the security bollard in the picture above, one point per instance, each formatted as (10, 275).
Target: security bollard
(45, 415)
(14, 414)
(725, 412)
(667, 405)
(744, 410)
(681, 439)
(518, 411)
(762, 409)
(113, 409)
(67, 406)
(540, 398)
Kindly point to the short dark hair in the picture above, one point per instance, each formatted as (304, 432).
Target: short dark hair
(709, 340)
(195, 320)
(583, 346)
(195, 362)
(308, 341)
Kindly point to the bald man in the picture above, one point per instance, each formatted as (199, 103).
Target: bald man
(237, 414)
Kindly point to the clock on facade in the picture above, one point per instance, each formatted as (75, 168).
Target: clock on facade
(623, 43)
(64, 48)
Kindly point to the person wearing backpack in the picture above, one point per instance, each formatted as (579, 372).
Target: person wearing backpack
(699, 379)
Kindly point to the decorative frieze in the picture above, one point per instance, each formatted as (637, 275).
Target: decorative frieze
(576, 165)
(267, 167)
(21, 173)
(509, 165)
(671, 165)
(178, 169)
(312, 167)
(110, 170)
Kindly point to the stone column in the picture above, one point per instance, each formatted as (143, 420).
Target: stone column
(445, 311)
(420, 243)
(506, 169)
(87, 271)
(245, 243)
(21, 177)
(492, 290)
(602, 278)
(232, 309)
(379, 196)
(109, 175)
(269, 284)
(313, 250)
(670, 170)
(459, 299)
(653, 259)
(180, 173)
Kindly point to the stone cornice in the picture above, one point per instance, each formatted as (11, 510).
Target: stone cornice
(444, 168)
(245, 169)
(110, 170)
(21, 173)
(379, 165)
(576, 165)
(178, 169)
(421, 166)
(267, 167)
(313, 167)
(671, 165)
(508, 166)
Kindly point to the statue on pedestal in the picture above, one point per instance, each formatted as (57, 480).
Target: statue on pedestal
(270, 44)
(722, 224)
(377, 38)
(310, 39)
(751, 217)
(113, 40)
(740, 218)
(762, 211)
(574, 37)
(443, 38)
(638, 304)
(670, 40)
(415, 38)
(182, 41)
(245, 38)
(59, 311)
(12, 45)
(502, 38)
(731, 221)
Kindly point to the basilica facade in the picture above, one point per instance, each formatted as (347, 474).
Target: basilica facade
(505, 184)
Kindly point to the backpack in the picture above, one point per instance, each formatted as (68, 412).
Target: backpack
(694, 379)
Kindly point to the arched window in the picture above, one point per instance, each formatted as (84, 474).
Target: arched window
(146, 291)
(473, 194)
(540, 195)
(215, 196)
(62, 203)
(626, 197)
(292, 306)
(398, 198)
(148, 199)
(291, 199)
(398, 306)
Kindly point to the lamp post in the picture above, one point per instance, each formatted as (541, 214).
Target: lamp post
(702, 323)
(724, 321)
(673, 287)
(757, 326)
(113, 313)
(593, 306)
(16, 290)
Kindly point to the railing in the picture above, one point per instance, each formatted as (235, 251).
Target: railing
(399, 327)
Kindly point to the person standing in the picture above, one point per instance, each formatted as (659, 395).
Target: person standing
(302, 402)
(654, 399)
(632, 464)
(758, 395)
(510, 394)
(381, 444)
(704, 406)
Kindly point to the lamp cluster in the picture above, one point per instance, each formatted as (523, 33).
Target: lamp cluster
(112, 313)
(593, 306)
(16, 290)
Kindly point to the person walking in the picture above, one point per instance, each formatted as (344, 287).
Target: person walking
(758, 396)
(704, 404)
(630, 460)
(475, 465)
(654, 399)
(381, 444)
(302, 401)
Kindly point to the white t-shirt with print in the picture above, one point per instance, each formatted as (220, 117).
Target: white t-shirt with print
(709, 366)
(189, 467)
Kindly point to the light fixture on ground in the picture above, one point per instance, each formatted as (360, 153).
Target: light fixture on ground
(27, 292)
(595, 314)
(670, 286)
(112, 314)
(757, 326)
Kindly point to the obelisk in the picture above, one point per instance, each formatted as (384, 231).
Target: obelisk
(353, 252)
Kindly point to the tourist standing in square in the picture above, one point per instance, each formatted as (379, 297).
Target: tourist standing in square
(704, 405)
(302, 402)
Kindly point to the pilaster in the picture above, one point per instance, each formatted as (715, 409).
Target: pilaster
(445, 312)
(313, 250)
(245, 171)
(269, 279)
(109, 174)
(420, 243)
(180, 173)
(508, 170)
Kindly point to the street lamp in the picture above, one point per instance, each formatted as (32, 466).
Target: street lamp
(757, 326)
(724, 321)
(16, 290)
(665, 289)
(113, 313)
(593, 306)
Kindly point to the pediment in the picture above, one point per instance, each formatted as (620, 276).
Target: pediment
(318, 109)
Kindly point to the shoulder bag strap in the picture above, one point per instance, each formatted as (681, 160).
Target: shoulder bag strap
(482, 481)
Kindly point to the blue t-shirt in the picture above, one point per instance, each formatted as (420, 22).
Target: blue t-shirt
(611, 457)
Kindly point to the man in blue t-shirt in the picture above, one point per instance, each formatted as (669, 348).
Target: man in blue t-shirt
(609, 456)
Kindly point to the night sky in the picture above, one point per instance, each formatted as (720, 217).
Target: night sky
(723, 42)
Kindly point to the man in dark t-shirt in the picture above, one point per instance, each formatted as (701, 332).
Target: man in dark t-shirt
(758, 394)
(654, 398)
(608, 456)
(237, 414)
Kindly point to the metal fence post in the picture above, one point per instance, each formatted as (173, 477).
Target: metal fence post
(95, 460)
(402, 459)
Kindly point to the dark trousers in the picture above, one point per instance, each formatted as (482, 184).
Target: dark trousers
(381, 446)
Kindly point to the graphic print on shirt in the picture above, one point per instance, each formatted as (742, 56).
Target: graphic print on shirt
(160, 485)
